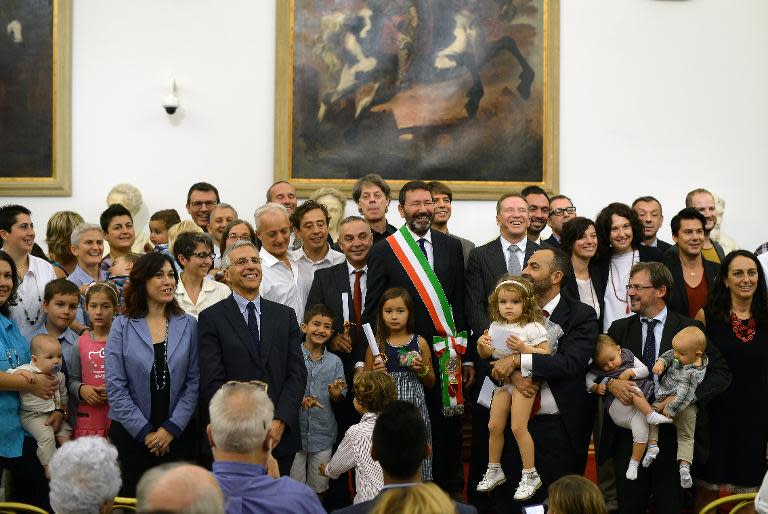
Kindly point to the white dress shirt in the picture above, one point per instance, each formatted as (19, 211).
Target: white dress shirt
(306, 267)
(212, 292)
(548, 403)
(522, 245)
(29, 304)
(279, 283)
(427, 244)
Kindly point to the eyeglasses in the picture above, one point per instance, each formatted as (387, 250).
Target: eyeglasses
(258, 384)
(204, 255)
(563, 210)
(243, 261)
(638, 287)
(197, 204)
(233, 236)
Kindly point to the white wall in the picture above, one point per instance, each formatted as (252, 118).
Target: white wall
(657, 97)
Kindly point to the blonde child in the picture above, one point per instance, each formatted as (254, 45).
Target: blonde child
(512, 308)
(613, 362)
(407, 356)
(86, 373)
(680, 371)
(374, 391)
(159, 224)
(47, 359)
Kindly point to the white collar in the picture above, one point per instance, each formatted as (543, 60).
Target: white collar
(522, 244)
(301, 254)
(661, 316)
(351, 269)
(270, 260)
(416, 237)
(552, 305)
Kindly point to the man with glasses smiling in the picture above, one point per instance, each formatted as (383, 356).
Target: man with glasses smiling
(561, 209)
(202, 197)
(247, 337)
(648, 333)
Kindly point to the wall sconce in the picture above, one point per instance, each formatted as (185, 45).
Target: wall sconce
(171, 102)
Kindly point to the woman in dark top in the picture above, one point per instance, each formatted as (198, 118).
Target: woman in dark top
(736, 319)
(152, 372)
(578, 240)
(619, 234)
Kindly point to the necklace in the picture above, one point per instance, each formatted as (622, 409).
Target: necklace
(161, 385)
(625, 301)
(32, 322)
(744, 333)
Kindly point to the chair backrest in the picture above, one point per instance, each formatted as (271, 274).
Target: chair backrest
(741, 501)
(13, 507)
(124, 504)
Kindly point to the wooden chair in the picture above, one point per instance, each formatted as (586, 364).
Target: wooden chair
(124, 504)
(13, 507)
(740, 500)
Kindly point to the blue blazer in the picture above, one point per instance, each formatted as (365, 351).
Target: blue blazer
(129, 359)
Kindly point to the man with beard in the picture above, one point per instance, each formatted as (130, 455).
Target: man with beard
(538, 210)
(393, 264)
(561, 427)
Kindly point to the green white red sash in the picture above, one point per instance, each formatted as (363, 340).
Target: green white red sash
(449, 345)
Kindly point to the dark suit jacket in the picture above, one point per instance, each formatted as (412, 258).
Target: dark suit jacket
(565, 371)
(326, 289)
(227, 353)
(385, 271)
(647, 254)
(627, 332)
(679, 300)
(365, 507)
(571, 288)
(551, 241)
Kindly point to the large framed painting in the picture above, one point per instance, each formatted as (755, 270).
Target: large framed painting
(35, 93)
(462, 91)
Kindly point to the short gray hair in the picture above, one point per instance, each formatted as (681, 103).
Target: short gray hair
(223, 206)
(240, 417)
(188, 489)
(267, 207)
(225, 259)
(84, 476)
(82, 228)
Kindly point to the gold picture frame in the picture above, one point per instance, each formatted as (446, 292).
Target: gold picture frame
(26, 172)
(289, 123)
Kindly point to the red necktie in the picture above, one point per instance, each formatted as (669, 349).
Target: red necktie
(357, 302)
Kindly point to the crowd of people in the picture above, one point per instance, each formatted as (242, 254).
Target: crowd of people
(256, 366)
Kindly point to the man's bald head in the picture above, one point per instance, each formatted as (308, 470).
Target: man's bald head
(179, 488)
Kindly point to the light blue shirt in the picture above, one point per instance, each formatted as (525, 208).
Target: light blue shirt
(14, 351)
(318, 425)
(242, 304)
(80, 278)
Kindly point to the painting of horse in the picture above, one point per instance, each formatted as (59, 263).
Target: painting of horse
(463, 91)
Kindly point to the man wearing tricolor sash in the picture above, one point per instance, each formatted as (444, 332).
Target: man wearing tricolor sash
(430, 266)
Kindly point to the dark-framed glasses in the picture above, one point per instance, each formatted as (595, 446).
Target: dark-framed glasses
(638, 287)
(563, 210)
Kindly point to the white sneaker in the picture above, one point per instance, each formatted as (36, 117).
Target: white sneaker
(493, 477)
(528, 485)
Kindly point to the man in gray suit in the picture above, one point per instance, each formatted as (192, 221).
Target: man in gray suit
(508, 253)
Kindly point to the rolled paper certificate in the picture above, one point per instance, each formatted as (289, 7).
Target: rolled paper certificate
(345, 306)
(371, 340)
